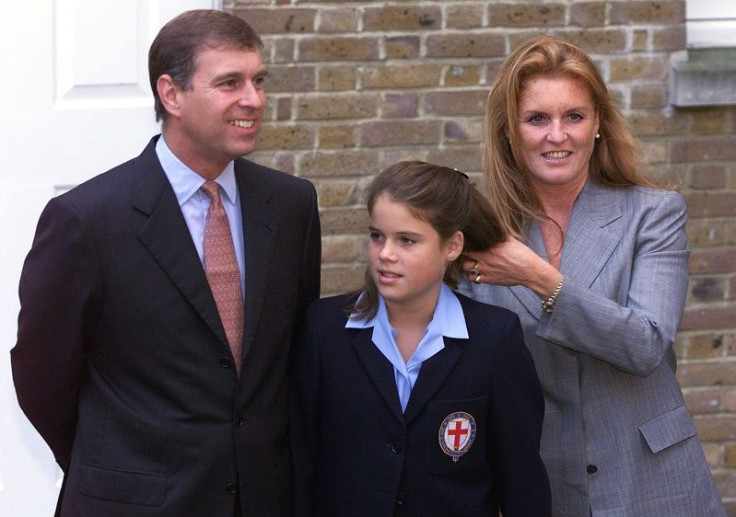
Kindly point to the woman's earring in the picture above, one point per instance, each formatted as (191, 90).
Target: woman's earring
(597, 135)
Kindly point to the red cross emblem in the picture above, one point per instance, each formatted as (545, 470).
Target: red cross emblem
(457, 434)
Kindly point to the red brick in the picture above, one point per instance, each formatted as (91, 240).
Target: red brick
(399, 132)
(462, 75)
(466, 158)
(341, 279)
(464, 131)
(708, 232)
(279, 21)
(450, 102)
(653, 95)
(591, 40)
(338, 49)
(339, 163)
(402, 47)
(336, 78)
(337, 193)
(335, 136)
(337, 106)
(647, 12)
(400, 105)
(716, 427)
(704, 149)
(705, 346)
(344, 249)
(669, 38)
(633, 67)
(464, 16)
(703, 400)
(708, 177)
(712, 373)
(526, 14)
(338, 20)
(344, 221)
(285, 137)
(466, 45)
(290, 79)
(402, 18)
(708, 317)
(588, 14)
(711, 204)
(401, 76)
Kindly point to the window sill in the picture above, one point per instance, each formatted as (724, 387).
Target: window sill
(703, 77)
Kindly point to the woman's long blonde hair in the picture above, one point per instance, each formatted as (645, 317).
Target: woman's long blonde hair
(613, 162)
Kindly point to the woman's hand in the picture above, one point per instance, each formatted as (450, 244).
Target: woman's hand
(512, 263)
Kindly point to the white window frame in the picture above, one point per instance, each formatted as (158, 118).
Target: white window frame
(711, 23)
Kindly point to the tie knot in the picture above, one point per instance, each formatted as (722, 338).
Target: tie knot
(212, 189)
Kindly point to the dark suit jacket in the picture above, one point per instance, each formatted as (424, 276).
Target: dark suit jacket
(122, 363)
(355, 453)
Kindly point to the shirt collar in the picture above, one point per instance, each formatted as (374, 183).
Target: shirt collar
(448, 319)
(186, 182)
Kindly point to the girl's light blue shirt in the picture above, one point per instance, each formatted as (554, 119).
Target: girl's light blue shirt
(448, 320)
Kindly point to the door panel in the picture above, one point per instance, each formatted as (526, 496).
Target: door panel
(74, 102)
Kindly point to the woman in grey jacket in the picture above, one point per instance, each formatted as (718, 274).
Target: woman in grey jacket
(597, 272)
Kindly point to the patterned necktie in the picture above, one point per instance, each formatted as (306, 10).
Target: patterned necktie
(222, 271)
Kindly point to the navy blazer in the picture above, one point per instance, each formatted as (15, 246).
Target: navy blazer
(355, 453)
(122, 362)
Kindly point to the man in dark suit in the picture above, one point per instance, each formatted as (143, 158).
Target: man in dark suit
(125, 361)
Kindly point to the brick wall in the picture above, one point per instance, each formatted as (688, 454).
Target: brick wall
(356, 85)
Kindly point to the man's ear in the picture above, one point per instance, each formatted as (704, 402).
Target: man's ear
(454, 245)
(168, 93)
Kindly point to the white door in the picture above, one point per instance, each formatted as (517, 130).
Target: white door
(74, 101)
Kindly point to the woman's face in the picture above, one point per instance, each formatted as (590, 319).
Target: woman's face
(557, 128)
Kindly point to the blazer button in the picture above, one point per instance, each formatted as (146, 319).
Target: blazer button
(238, 420)
(592, 469)
(400, 499)
(231, 488)
(226, 362)
(395, 447)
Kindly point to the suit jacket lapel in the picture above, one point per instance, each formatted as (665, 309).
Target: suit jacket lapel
(167, 238)
(379, 369)
(259, 229)
(432, 375)
(588, 244)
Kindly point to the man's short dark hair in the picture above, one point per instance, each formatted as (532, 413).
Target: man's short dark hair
(174, 51)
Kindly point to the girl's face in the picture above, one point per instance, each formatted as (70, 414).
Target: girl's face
(407, 259)
(557, 127)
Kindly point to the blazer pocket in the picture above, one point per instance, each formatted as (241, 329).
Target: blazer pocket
(437, 459)
(145, 489)
(668, 429)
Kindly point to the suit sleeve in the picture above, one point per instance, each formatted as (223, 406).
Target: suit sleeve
(304, 428)
(58, 294)
(517, 413)
(636, 334)
(311, 260)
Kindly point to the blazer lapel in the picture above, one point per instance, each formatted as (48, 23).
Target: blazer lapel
(379, 369)
(432, 375)
(167, 237)
(588, 245)
(259, 229)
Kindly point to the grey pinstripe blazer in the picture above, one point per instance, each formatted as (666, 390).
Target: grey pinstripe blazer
(617, 439)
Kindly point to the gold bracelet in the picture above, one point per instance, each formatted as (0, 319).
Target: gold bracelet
(548, 305)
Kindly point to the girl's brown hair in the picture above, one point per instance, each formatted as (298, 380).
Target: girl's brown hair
(445, 199)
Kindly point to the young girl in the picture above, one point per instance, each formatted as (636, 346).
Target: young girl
(408, 398)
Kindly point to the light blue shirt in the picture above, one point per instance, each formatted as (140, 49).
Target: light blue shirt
(448, 320)
(194, 203)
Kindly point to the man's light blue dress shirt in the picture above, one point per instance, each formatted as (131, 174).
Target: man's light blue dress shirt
(194, 203)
